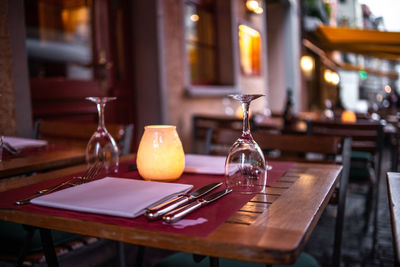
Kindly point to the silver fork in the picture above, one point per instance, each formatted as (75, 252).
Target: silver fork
(90, 175)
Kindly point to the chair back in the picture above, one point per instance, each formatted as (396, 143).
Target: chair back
(77, 134)
(289, 146)
(366, 136)
(205, 125)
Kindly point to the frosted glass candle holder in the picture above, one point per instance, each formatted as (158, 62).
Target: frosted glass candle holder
(160, 155)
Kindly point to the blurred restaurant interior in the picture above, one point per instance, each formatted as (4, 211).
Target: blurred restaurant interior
(175, 62)
(179, 58)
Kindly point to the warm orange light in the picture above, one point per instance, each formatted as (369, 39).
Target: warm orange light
(348, 116)
(328, 76)
(307, 63)
(388, 89)
(160, 155)
(331, 77)
(259, 10)
(252, 5)
(239, 113)
(250, 50)
(194, 17)
(335, 79)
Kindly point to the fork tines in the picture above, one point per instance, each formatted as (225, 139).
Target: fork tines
(92, 172)
(89, 175)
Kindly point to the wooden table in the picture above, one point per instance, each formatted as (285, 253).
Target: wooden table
(40, 161)
(272, 228)
(393, 183)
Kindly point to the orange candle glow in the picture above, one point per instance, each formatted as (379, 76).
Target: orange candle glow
(160, 155)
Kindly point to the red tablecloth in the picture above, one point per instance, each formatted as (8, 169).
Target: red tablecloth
(205, 220)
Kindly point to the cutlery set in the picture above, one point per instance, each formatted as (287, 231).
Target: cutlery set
(175, 209)
(170, 211)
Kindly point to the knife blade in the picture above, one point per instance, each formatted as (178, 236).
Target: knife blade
(179, 213)
(158, 211)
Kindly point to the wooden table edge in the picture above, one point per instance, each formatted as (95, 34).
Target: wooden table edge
(391, 176)
(209, 246)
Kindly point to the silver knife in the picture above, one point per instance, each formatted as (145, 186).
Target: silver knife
(158, 211)
(179, 213)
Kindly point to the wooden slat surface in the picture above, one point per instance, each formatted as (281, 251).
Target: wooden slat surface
(272, 228)
(393, 179)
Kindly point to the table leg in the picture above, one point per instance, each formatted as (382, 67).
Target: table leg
(30, 231)
(139, 256)
(214, 262)
(121, 253)
(48, 247)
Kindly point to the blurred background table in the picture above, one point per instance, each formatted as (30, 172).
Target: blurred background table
(49, 158)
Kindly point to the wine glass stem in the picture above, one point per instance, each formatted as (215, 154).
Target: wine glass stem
(100, 109)
(246, 121)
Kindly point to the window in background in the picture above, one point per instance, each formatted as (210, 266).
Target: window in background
(250, 50)
(59, 39)
(201, 44)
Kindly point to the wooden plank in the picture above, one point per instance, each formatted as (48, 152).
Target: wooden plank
(264, 198)
(288, 179)
(281, 184)
(243, 217)
(255, 207)
(275, 190)
(393, 183)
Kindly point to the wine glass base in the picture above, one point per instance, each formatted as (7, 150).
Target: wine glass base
(160, 180)
(246, 98)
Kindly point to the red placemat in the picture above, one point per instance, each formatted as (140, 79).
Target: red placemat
(200, 223)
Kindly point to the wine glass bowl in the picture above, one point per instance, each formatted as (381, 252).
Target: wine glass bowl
(245, 166)
(102, 146)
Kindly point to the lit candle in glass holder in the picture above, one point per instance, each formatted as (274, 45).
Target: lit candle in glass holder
(160, 155)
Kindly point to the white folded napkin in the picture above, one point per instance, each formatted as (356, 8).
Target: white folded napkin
(20, 143)
(113, 196)
(205, 164)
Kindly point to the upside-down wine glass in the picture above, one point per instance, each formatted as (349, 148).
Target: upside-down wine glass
(102, 147)
(245, 166)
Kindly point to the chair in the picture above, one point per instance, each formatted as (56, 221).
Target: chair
(78, 134)
(366, 157)
(296, 147)
(276, 124)
(204, 126)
